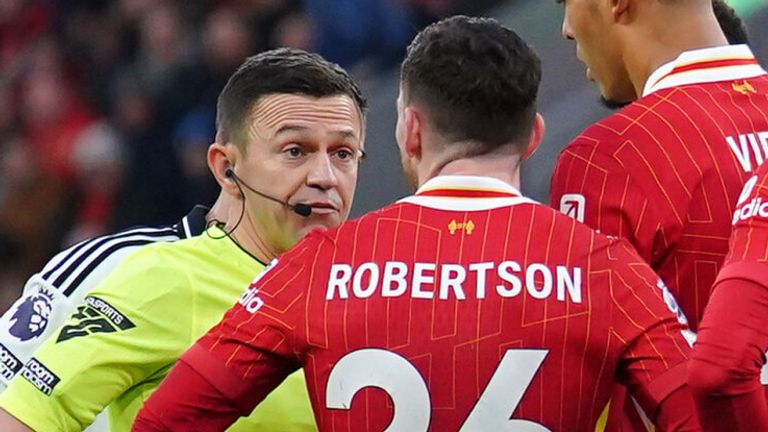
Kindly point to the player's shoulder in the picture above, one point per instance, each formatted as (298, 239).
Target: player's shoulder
(361, 223)
(323, 241)
(607, 130)
(598, 144)
(585, 240)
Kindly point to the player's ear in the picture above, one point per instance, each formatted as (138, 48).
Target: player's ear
(222, 157)
(537, 134)
(619, 9)
(413, 132)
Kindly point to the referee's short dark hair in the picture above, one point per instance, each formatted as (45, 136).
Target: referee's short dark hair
(279, 71)
(476, 79)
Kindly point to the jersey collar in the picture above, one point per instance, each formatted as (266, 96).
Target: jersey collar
(725, 63)
(466, 193)
(193, 223)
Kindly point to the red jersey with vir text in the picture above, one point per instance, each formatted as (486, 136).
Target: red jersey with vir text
(665, 171)
(464, 307)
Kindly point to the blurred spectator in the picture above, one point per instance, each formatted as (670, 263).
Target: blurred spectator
(152, 188)
(99, 161)
(294, 30)
(345, 33)
(106, 106)
(21, 23)
(53, 113)
(193, 136)
(32, 212)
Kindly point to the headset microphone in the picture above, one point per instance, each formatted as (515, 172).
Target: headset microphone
(300, 209)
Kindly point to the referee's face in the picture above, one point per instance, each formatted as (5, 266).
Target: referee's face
(304, 150)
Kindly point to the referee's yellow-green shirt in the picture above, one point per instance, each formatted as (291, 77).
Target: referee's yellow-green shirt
(120, 344)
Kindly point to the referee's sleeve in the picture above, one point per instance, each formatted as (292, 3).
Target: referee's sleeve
(130, 327)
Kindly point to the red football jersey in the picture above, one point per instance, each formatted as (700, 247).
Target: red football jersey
(464, 307)
(733, 336)
(665, 172)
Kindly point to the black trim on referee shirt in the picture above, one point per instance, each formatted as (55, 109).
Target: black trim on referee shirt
(93, 244)
(72, 286)
(191, 225)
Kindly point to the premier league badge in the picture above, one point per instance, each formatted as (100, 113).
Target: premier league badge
(32, 314)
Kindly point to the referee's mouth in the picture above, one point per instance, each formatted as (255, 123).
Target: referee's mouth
(322, 207)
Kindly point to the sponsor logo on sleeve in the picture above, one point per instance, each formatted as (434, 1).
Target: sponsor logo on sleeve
(95, 316)
(573, 205)
(250, 299)
(31, 316)
(40, 376)
(746, 208)
(10, 365)
(671, 302)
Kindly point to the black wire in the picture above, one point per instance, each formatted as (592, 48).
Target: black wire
(222, 224)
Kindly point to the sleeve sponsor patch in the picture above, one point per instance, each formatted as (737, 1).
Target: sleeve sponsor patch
(573, 205)
(746, 208)
(95, 316)
(40, 376)
(10, 365)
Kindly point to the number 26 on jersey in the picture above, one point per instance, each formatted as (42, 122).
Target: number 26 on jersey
(410, 395)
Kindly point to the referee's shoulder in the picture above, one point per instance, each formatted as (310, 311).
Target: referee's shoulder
(76, 262)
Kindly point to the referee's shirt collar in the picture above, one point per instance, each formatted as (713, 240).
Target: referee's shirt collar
(193, 223)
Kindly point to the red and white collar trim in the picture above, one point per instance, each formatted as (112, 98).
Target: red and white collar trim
(726, 63)
(466, 193)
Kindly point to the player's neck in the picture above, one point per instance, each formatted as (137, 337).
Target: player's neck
(663, 40)
(501, 167)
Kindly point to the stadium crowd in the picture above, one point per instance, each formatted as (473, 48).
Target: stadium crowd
(107, 106)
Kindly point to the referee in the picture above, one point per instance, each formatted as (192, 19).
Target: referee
(286, 155)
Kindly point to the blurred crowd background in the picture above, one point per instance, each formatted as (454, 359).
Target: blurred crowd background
(107, 106)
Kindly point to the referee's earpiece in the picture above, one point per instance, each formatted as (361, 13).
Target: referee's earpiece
(230, 173)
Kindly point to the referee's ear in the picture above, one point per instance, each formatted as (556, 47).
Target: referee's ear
(222, 157)
(537, 134)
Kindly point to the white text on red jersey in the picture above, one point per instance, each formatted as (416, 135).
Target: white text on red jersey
(443, 281)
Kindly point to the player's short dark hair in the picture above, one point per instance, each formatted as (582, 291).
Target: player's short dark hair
(476, 79)
(283, 70)
(731, 24)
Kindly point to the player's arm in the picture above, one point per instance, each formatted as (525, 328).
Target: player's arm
(113, 341)
(9, 423)
(169, 409)
(237, 363)
(724, 373)
(204, 392)
(653, 365)
(594, 188)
